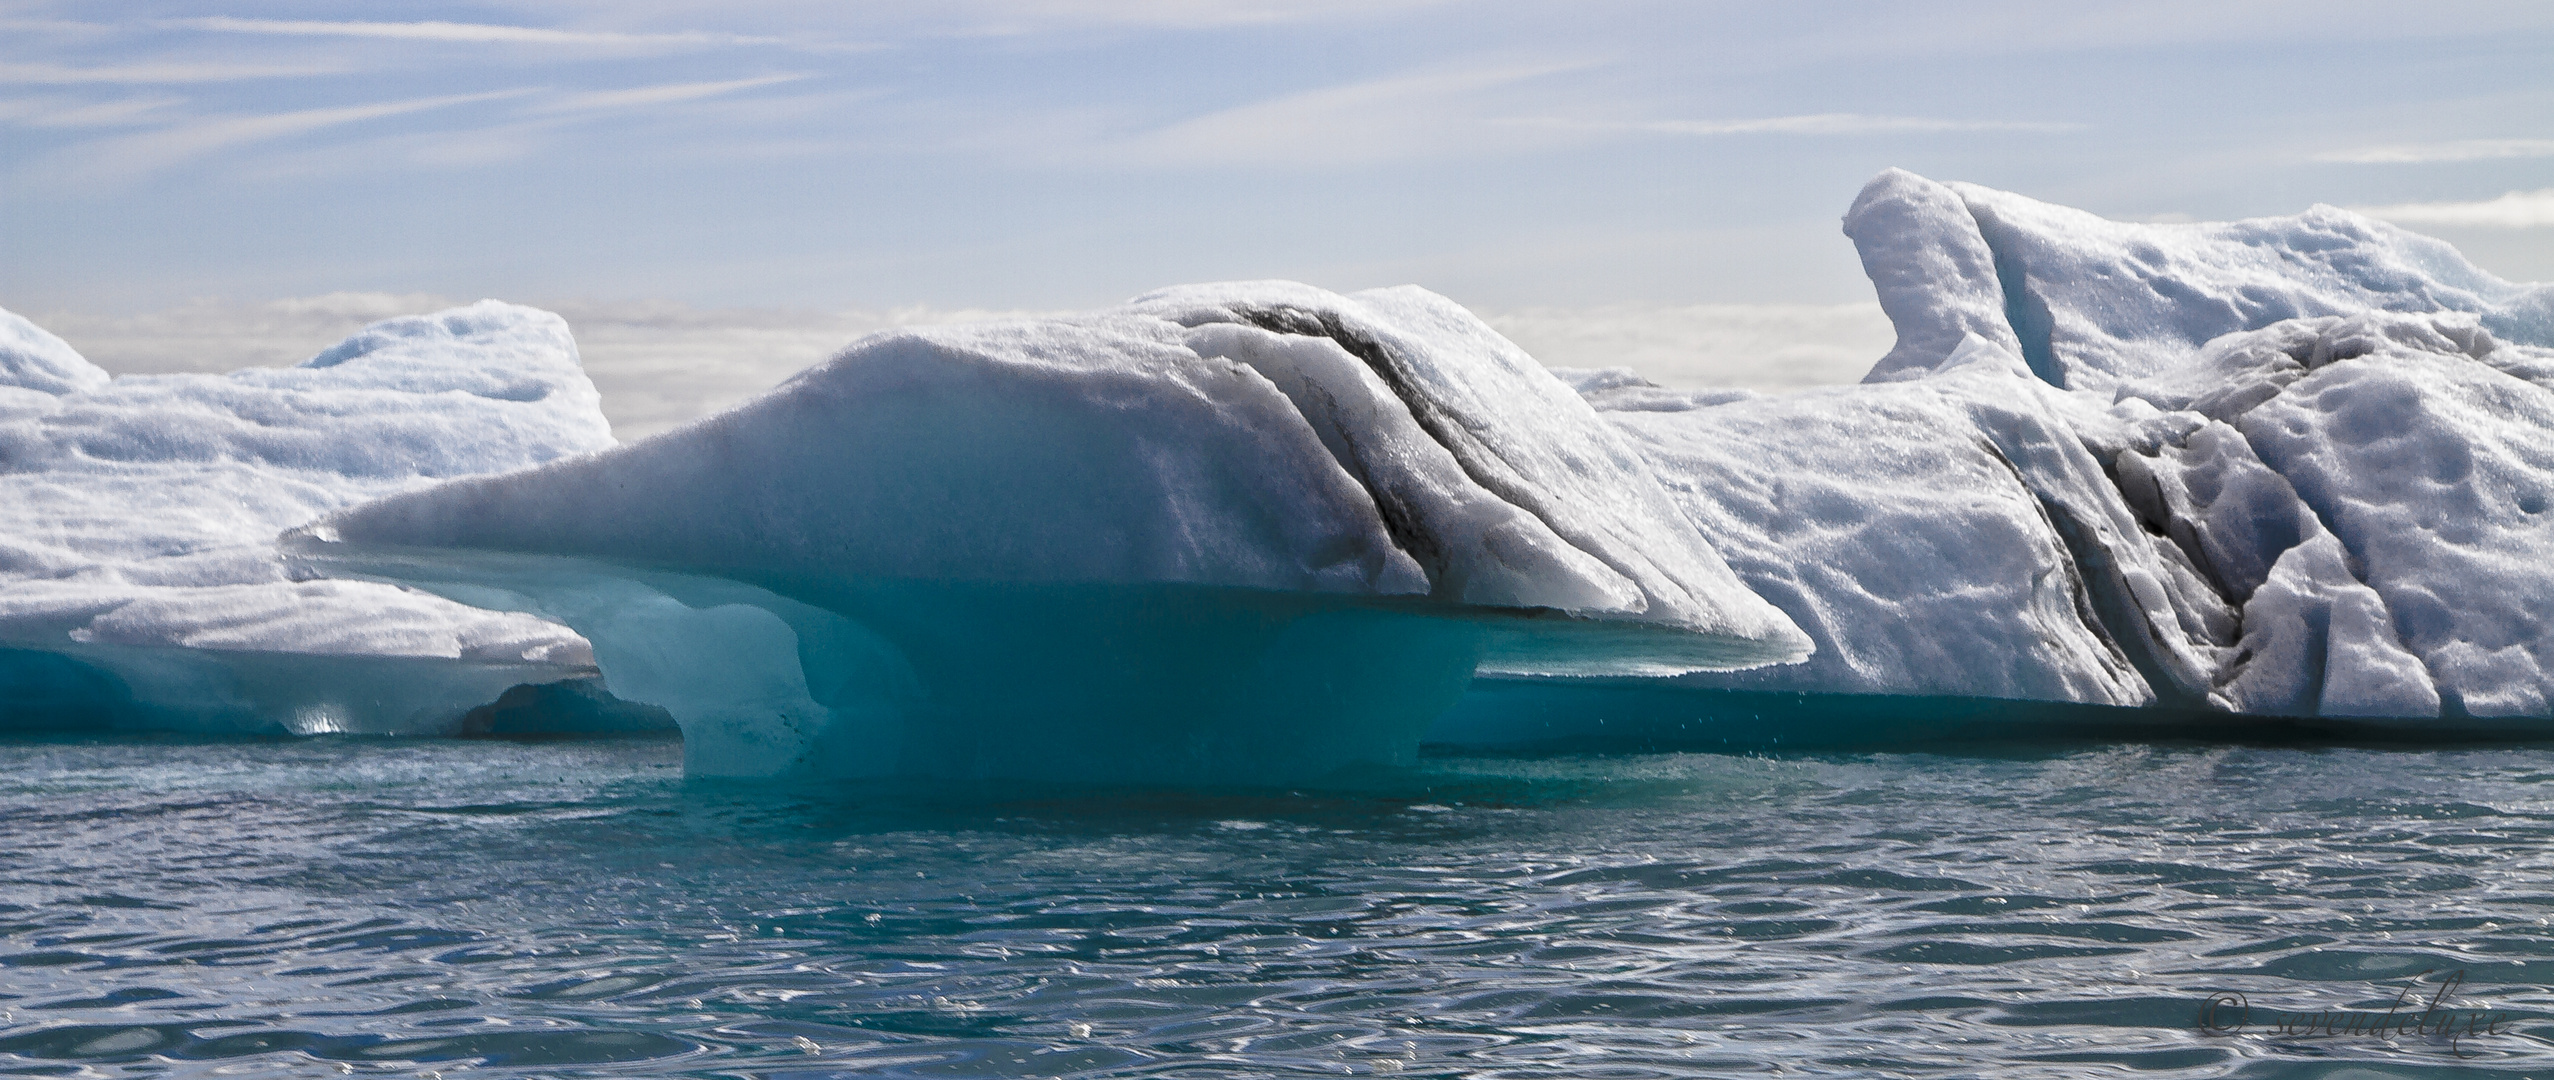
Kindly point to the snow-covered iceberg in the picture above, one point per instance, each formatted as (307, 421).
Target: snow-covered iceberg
(2289, 467)
(2284, 468)
(1253, 531)
(139, 580)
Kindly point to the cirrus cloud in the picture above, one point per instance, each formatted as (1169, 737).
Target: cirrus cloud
(2513, 210)
(2456, 150)
(45, 74)
(1844, 124)
(466, 33)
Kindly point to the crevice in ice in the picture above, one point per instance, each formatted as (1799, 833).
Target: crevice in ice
(1403, 523)
(2323, 516)
(2138, 487)
(2083, 553)
(2115, 616)
(2318, 659)
(2024, 311)
(2114, 621)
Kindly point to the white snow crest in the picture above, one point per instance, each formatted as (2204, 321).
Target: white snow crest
(1259, 435)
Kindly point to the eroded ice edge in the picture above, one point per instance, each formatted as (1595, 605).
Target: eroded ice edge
(2289, 467)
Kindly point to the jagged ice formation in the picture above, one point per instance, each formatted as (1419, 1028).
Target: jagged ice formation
(2288, 466)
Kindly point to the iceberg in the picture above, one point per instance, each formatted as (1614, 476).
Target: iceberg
(1239, 533)
(2288, 467)
(2289, 470)
(140, 584)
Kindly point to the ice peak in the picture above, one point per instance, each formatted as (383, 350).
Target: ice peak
(2091, 302)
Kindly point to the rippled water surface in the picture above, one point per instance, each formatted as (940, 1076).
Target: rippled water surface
(578, 909)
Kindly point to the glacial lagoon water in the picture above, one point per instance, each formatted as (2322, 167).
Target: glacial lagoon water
(338, 905)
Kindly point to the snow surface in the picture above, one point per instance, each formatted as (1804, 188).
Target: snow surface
(138, 517)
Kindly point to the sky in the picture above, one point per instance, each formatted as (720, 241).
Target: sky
(187, 186)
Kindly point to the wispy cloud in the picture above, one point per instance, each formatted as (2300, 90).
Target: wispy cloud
(133, 155)
(2457, 150)
(57, 26)
(1850, 124)
(1429, 114)
(1811, 124)
(666, 94)
(469, 33)
(58, 113)
(128, 74)
(2514, 210)
(724, 120)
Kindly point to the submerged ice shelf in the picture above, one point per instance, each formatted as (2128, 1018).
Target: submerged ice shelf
(1257, 532)
(797, 674)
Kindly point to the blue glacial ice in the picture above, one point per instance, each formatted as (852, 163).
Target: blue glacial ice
(1257, 532)
(1251, 532)
(139, 579)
